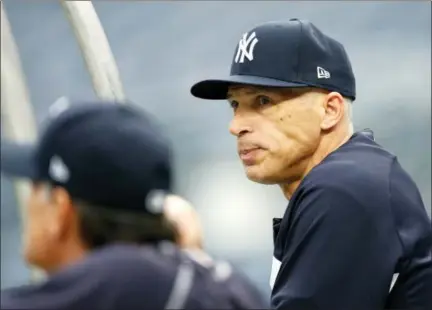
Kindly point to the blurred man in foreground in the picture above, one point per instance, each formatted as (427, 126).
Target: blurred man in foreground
(100, 174)
(187, 224)
(355, 218)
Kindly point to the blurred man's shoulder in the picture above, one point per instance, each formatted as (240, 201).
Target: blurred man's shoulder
(121, 277)
(242, 291)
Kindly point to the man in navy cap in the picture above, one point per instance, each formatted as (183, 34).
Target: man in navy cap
(355, 234)
(100, 174)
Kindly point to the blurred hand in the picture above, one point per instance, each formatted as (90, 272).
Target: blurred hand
(186, 220)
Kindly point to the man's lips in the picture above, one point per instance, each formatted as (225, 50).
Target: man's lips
(248, 150)
(248, 156)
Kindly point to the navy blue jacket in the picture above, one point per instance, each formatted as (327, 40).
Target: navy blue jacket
(355, 235)
(122, 277)
(243, 293)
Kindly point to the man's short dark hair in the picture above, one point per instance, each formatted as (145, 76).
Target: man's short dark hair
(100, 226)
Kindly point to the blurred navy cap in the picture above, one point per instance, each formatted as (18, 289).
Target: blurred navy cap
(292, 53)
(104, 153)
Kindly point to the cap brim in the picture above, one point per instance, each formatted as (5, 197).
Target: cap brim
(18, 160)
(218, 89)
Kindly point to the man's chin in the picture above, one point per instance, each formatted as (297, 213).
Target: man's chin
(256, 174)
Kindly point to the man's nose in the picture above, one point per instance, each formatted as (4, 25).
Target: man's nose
(239, 126)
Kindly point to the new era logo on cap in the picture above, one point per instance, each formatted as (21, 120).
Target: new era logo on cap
(322, 73)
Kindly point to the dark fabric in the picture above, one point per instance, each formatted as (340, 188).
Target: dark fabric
(105, 153)
(292, 53)
(127, 277)
(354, 222)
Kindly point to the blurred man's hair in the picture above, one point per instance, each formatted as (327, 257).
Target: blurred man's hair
(100, 226)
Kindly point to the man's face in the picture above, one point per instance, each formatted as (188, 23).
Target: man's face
(277, 130)
(44, 228)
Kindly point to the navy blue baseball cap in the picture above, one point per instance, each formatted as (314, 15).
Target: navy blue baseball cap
(293, 53)
(105, 153)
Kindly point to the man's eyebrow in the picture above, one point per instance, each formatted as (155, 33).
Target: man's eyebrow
(248, 91)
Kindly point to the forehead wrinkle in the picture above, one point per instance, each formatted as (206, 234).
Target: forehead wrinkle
(252, 90)
(244, 90)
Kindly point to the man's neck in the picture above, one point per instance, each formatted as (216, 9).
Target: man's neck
(329, 143)
(68, 255)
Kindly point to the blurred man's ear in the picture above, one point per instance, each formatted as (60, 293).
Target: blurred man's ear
(59, 196)
(64, 214)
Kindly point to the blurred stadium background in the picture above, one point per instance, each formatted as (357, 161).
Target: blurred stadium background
(161, 48)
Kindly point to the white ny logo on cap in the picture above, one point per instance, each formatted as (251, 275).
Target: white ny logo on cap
(58, 170)
(246, 47)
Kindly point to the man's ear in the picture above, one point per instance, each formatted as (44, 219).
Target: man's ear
(334, 110)
(63, 211)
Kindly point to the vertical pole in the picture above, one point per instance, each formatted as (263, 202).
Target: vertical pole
(95, 49)
(16, 109)
(17, 114)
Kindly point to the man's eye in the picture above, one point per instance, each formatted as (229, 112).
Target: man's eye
(263, 100)
(234, 104)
